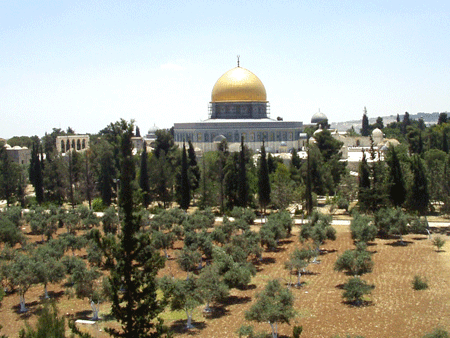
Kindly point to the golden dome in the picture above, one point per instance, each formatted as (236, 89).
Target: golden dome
(237, 85)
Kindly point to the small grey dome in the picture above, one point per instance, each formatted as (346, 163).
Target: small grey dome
(318, 117)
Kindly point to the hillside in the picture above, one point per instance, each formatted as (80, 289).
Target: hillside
(428, 118)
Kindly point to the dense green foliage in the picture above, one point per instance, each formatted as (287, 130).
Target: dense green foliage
(273, 305)
(263, 180)
(419, 283)
(355, 262)
(355, 290)
(136, 263)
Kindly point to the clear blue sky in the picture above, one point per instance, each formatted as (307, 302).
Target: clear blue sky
(85, 64)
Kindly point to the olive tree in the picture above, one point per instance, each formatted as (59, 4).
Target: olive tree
(275, 304)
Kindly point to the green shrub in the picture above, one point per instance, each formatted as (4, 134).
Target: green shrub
(98, 205)
(363, 230)
(437, 333)
(418, 226)
(247, 214)
(297, 331)
(438, 242)
(419, 283)
(355, 289)
(342, 203)
(156, 210)
(355, 262)
(49, 324)
(391, 221)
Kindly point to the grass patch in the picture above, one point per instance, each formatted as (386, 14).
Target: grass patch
(419, 283)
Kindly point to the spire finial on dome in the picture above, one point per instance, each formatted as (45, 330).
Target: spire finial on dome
(238, 59)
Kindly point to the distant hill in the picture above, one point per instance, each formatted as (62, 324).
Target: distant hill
(428, 118)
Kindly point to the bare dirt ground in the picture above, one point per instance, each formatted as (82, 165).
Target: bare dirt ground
(394, 310)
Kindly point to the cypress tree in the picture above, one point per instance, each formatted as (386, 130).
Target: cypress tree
(442, 118)
(72, 200)
(223, 155)
(309, 200)
(106, 171)
(143, 177)
(420, 145)
(8, 177)
(365, 124)
(36, 178)
(397, 190)
(194, 170)
(137, 263)
(263, 180)
(243, 183)
(185, 195)
(39, 187)
(364, 184)
(405, 123)
(295, 160)
(31, 169)
(444, 142)
(419, 198)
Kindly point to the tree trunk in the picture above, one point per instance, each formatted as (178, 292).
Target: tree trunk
(298, 279)
(189, 320)
(22, 304)
(45, 292)
(274, 330)
(95, 310)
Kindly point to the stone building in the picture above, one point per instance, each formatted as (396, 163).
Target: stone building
(74, 142)
(21, 155)
(239, 108)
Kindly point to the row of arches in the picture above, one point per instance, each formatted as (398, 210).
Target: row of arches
(79, 144)
(72, 143)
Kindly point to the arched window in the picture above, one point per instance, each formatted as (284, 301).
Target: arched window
(67, 145)
(73, 144)
(78, 144)
(83, 144)
(63, 148)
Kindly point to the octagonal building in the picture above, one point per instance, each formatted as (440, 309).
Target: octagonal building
(239, 108)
